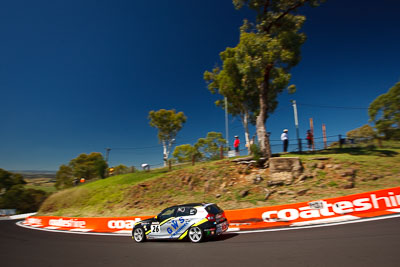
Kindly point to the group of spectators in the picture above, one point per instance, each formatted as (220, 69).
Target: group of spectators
(284, 138)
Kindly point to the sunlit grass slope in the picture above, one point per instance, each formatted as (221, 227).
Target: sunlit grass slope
(230, 185)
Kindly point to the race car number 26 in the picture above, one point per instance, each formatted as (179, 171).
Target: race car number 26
(155, 228)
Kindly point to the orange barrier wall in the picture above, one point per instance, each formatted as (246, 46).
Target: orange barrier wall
(369, 204)
(101, 224)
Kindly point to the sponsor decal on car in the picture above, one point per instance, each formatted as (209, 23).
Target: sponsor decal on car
(176, 227)
(155, 228)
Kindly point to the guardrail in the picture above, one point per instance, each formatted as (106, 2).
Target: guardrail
(370, 204)
(7, 212)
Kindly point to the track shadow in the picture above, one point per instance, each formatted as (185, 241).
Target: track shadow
(218, 238)
(222, 237)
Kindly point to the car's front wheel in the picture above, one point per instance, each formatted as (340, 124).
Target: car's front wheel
(196, 234)
(139, 235)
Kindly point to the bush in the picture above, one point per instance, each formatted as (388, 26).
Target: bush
(84, 166)
(22, 199)
(16, 196)
(255, 151)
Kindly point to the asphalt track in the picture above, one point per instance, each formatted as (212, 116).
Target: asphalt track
(372, 243)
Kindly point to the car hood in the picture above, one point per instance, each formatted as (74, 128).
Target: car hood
(147, 221)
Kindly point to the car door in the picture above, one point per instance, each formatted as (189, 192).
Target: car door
(159, 228)
(178, 225)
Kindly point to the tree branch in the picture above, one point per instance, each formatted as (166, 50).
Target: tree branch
(266, 6)
(267, 29)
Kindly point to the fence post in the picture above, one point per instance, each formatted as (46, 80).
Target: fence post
(312, 132)
(169, 165)
(324, 135)
(222, 152)
(340, 140)
(193, 160)
(299, 144)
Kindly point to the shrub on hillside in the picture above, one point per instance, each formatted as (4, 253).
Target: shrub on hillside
(84, 166)
(15, 196)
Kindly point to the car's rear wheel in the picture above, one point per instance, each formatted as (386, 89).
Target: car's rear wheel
(196, 234)
(139, 235)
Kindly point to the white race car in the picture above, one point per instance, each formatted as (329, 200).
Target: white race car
(196, 221)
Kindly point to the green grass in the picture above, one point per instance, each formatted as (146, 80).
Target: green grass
(332, 184)
(96, 196)
(44, 184)
(144, 193)
(47, 189)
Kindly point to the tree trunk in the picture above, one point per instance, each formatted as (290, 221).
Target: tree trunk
(262, 135)
(166, 150)
(165, 153)
(245, 121)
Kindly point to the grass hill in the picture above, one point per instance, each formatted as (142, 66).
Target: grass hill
(331, 173)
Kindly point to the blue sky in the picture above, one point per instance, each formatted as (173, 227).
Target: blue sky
(80, 76)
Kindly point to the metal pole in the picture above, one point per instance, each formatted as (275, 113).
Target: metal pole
(312, 132)
(296, 123)
(106, 173)
(226, 122)
(324, 134)
(107, 154)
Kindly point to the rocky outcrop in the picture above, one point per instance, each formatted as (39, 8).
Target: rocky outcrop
(284, 170)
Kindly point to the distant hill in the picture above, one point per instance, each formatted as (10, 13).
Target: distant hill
(36, 174)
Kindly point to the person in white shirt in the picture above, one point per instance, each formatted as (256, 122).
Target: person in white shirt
(285, 139)
(146, 167)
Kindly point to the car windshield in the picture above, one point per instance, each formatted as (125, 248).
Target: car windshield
(165, 214)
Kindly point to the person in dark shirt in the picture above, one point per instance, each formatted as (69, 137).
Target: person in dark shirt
(309, 139)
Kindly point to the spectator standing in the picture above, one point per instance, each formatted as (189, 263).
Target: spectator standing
(146, 167)
(236, 144)
(310, 139)
(285, 139)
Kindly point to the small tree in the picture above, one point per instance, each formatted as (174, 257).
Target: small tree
(384, 111)
(268, 50)
(121, 169)
(185, 153)
(89, 166)
(64, 177)
(168, 123)
(9, 179)
(210, 146)
(361, 133)
(238, 89)
(15, 196)
(22, 199)
(84, 166)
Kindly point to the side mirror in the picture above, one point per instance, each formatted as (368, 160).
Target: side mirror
(158, 217)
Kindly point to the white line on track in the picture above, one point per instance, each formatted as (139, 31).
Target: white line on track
(69, 232)
(237, 232)
(321, 225)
